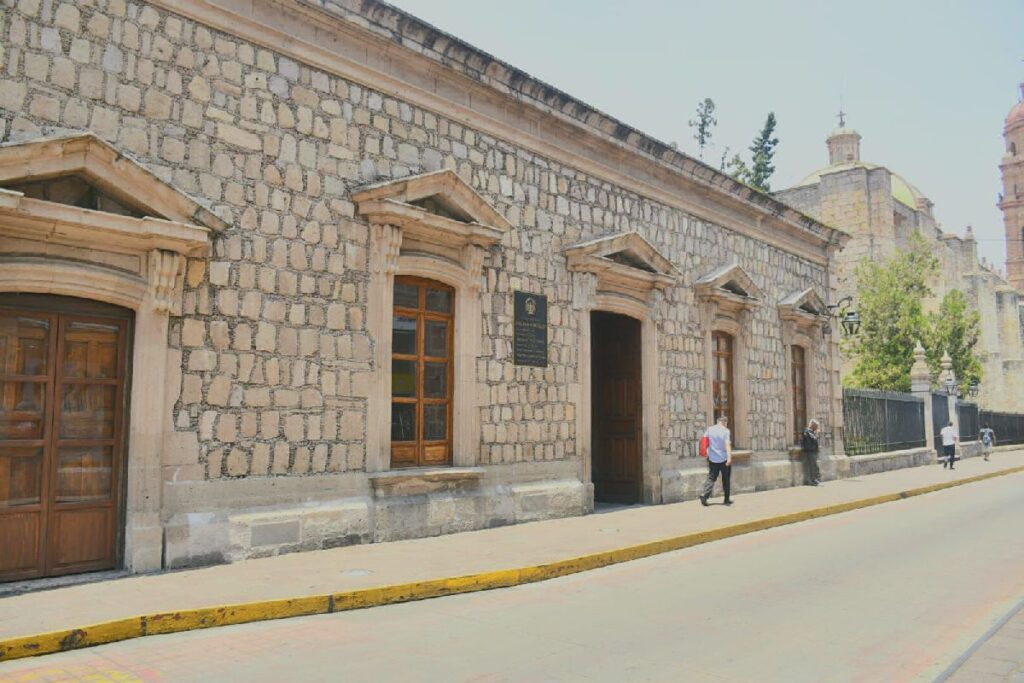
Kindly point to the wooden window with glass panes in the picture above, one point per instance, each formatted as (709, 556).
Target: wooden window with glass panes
(422, 332)
(722, 383)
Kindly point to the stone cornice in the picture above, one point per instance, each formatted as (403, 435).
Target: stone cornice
(379, 47)
(426, 226)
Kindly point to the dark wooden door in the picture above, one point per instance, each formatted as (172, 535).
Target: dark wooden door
(799, 382)
(62, 384)
(616, 404)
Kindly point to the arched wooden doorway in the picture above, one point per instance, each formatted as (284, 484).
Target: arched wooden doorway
(64, 370)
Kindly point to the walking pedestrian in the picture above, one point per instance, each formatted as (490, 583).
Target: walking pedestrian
(719, 459)
(988, 440)
(949, 441)
(810, 447)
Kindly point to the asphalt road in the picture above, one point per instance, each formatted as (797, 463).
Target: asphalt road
(895, 592)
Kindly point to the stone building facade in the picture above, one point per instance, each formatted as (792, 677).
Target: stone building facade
(880, 210)
(264, 260)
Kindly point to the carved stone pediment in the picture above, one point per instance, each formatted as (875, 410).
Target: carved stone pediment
(730, 288)
(86, 220)
(804, 308)
(80, 191)
(436, 208)
(84, 172)
(624, 263)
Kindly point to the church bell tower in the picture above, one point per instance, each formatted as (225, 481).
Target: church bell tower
(1012, 200)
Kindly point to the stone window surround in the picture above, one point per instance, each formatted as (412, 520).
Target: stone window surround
(159, 247)
(599, 284)
(406, 239)
(725, 311)
(802, 328)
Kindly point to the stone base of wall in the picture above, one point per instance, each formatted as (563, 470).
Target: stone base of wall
(762, 472)
(402, 506)
(970, 449)
(894, 460)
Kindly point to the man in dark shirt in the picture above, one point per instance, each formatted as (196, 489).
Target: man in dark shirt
(809, 444)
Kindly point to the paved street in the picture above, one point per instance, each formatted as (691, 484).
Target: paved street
(890, 593)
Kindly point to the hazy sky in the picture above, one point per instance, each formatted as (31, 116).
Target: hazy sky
(927, 83)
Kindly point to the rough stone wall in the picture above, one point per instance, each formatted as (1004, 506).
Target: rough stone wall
(276, 358)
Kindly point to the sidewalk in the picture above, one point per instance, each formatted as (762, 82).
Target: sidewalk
(512, 555)
(999, 657)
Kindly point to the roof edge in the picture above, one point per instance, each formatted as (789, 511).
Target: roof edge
(411, 32)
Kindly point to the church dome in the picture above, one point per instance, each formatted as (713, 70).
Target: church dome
(902, 191)
(1016, 115)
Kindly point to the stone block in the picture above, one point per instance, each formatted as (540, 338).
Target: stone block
(547, 499)
(195, 539)
(233, 135)
(156, 105)
(12, 95)
(275, 533)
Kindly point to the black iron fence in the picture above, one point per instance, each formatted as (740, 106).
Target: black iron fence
(879, 421)
(967, 416)
(1009, 427)
(940, 414)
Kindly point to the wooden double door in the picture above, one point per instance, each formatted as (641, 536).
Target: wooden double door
(63, 370)
(616, 402)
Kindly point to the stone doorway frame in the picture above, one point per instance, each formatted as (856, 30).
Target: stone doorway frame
(803, 314)
(135, 263)
(630, 285)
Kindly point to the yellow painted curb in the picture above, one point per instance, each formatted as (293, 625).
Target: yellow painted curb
(243, 613)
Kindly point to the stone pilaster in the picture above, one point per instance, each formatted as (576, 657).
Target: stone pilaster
(920, 386)
(584, 295)
(385, 244)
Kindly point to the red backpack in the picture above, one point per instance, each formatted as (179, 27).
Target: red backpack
(704, 442)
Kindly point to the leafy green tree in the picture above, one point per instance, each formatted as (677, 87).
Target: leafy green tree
(704, 124)
(762, 154)
(890, 297)
(954, 329)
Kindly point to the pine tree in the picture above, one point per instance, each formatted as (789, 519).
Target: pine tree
(762, 153)
(704, 123)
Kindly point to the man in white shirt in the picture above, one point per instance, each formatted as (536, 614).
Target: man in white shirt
(719, 460)
(949, 441)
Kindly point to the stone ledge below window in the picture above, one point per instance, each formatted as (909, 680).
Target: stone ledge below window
(742, 457)
(425, 480)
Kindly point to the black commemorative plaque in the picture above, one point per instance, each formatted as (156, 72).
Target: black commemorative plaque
(530, 338)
